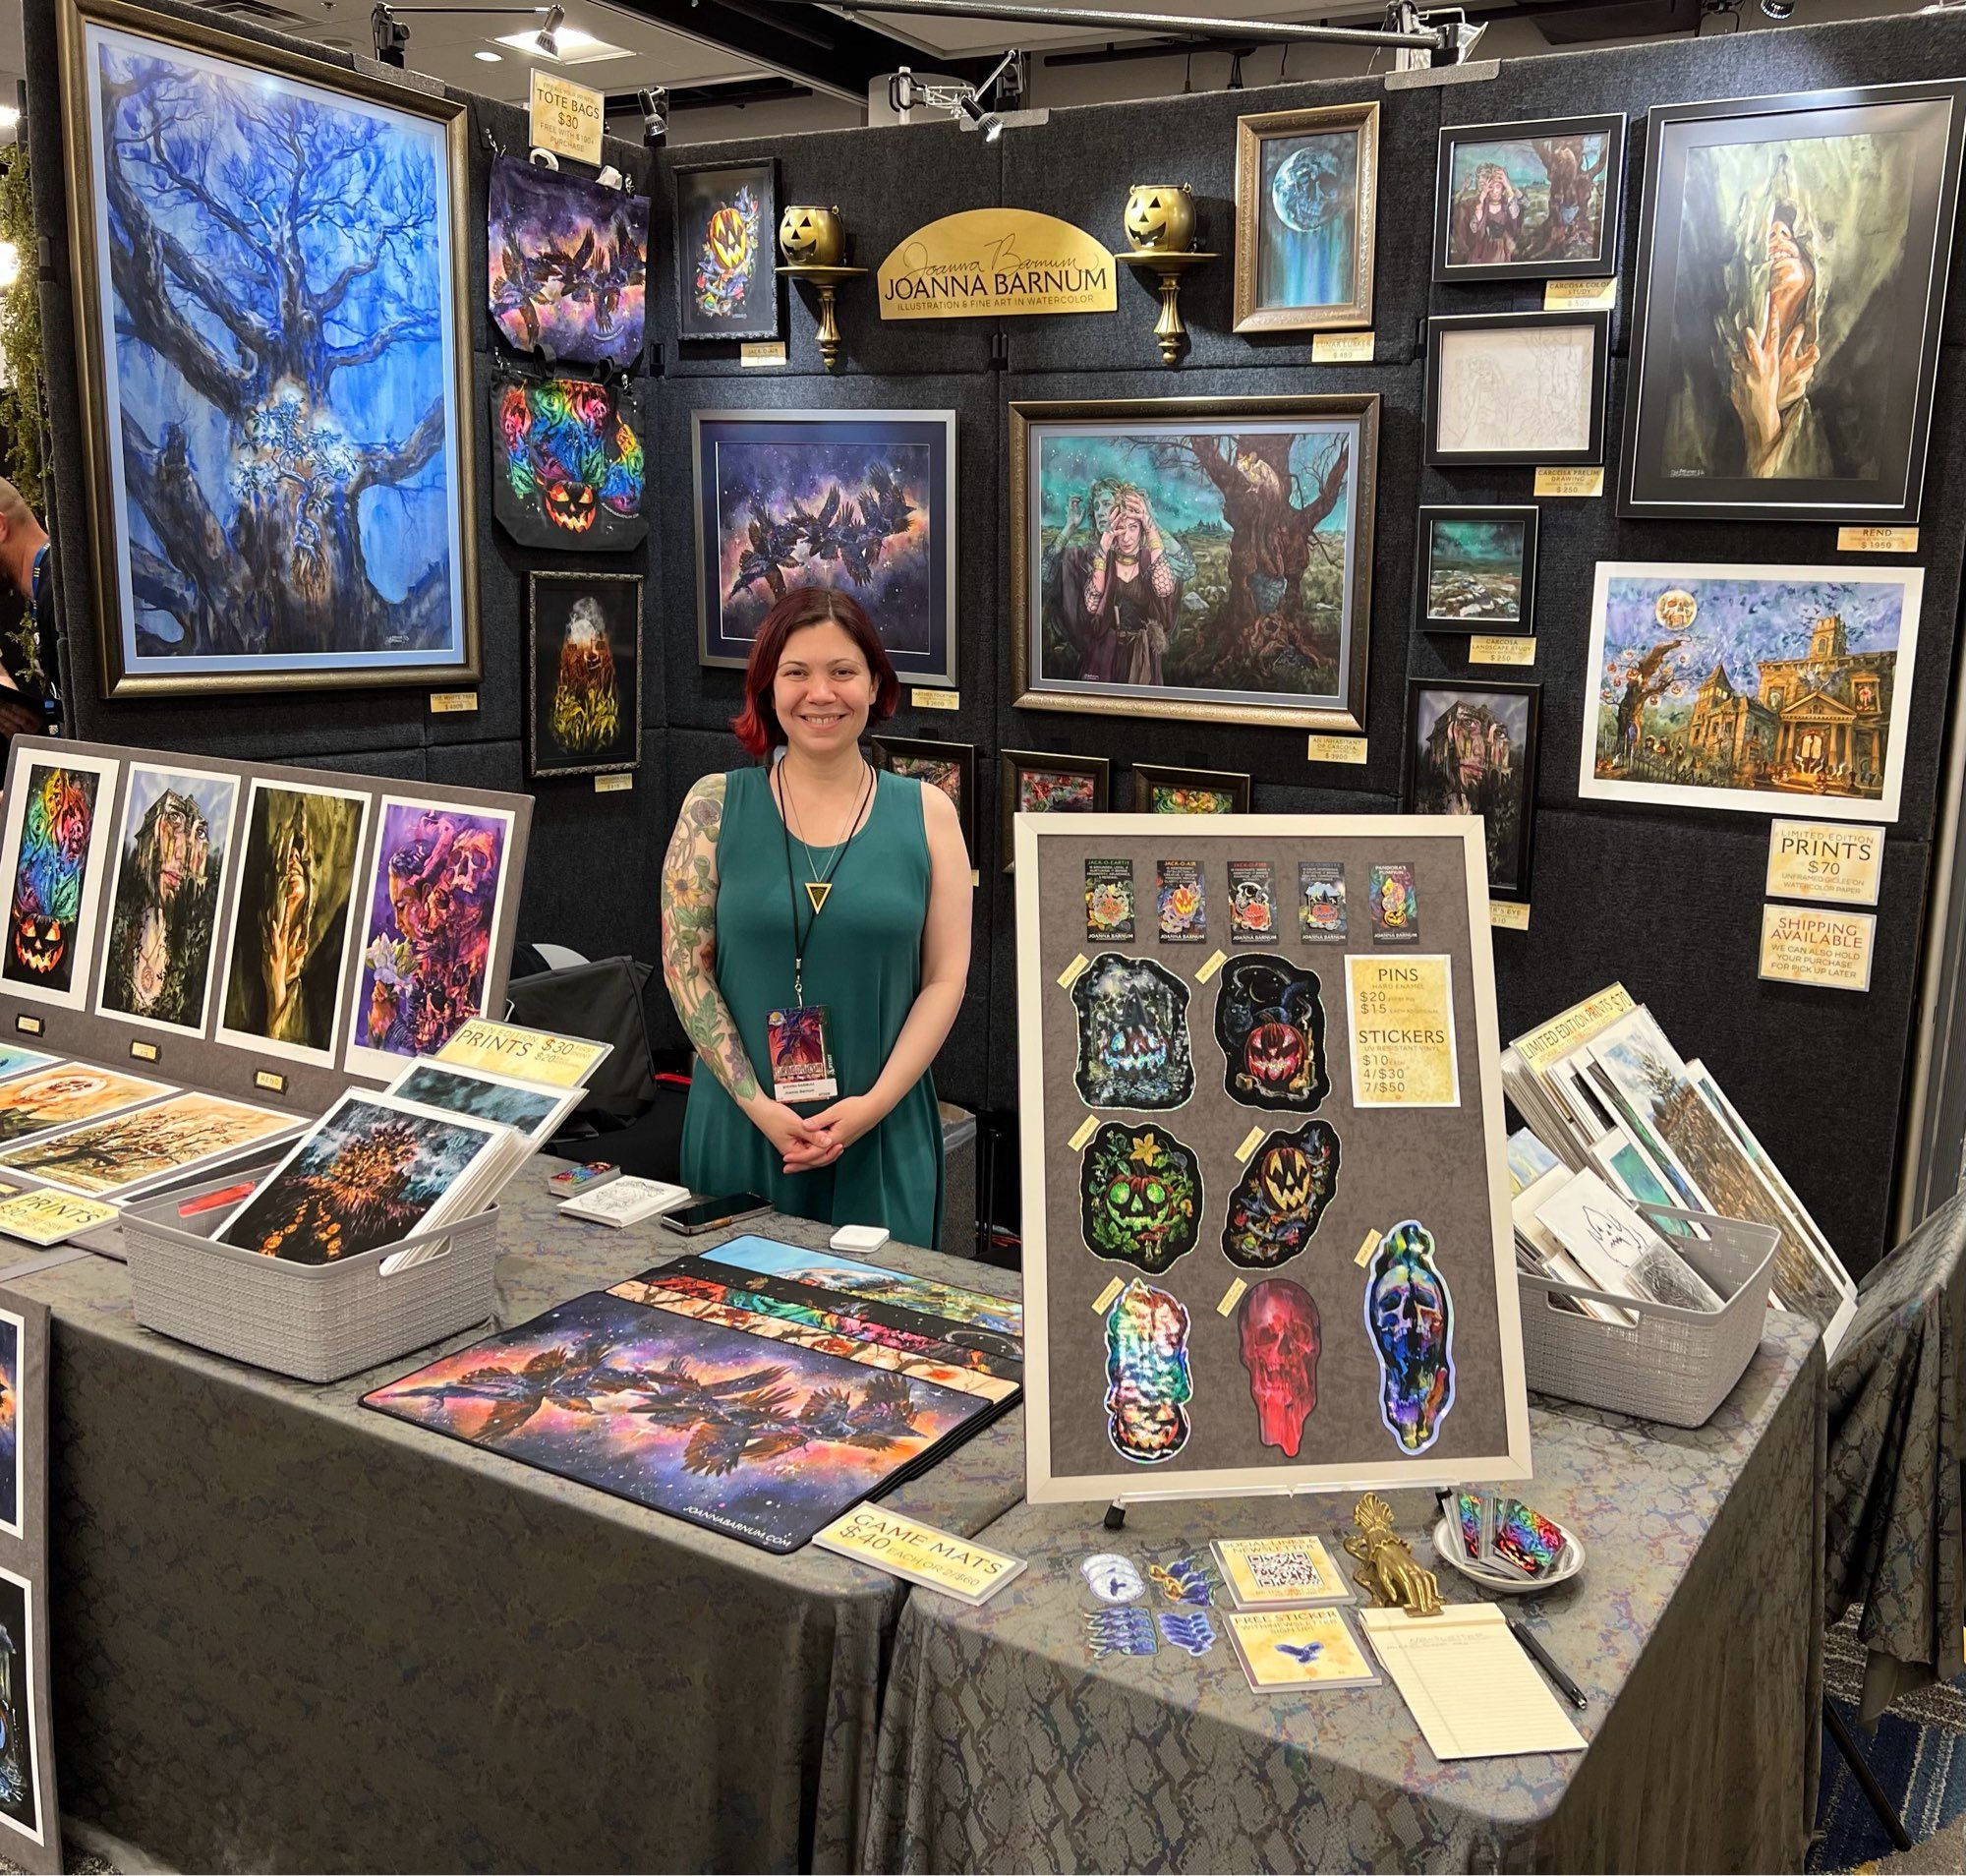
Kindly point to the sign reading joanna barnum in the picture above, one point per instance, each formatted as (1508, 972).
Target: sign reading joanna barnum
(996, 262)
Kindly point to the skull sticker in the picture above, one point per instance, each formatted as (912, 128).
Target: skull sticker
(1140, 1196)
(1133, 1034)
(1276, 1208)
(1277, 1327)
(1270, 1023)
(1147, 1382)
(1409, 1316)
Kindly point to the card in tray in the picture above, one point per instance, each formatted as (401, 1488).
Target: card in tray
(875, 1283)
(764, 1442)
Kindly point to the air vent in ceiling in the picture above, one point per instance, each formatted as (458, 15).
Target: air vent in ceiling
(258, 12)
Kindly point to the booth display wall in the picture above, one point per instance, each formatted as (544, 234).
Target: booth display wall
(1665, 899)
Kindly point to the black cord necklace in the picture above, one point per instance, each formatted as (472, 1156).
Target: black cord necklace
(816, 890)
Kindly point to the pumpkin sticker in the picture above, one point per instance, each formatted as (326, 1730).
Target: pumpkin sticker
(1140, 1197)
(1133, 1034)
(1270, 1022)
(1275, 1210)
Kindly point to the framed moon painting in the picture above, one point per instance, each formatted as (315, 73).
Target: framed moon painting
(1306, 216)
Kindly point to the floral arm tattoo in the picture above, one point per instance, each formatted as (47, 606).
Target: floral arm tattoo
(689, 939)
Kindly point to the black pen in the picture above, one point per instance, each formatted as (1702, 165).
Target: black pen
(1569, 1688)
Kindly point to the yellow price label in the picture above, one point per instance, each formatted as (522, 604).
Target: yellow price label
(927, 699)
(1250, 1141)
(1485, 650)
(1232, 1296)
(1071, 973)
(1213, 965)
(1350, 749)
(1506, 914)
(1086, 1129)
(1367, 1249)
(1342, 348)
(1105, 1299)
(1570, 482)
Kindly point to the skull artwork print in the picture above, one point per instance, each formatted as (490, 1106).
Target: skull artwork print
(1409, 1316)
(1277, 1330)
(1140, 1196)
(1276, 1208)
(1133, 1034)
(1270, 1023)
(1147, 1382)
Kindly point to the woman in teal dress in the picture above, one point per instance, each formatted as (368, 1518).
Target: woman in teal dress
(816, 880)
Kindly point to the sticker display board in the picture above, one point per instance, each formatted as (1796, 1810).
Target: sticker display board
(1266, 1193)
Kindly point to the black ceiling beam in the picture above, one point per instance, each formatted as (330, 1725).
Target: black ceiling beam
(823, 49)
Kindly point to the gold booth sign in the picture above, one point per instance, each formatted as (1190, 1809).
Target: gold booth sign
(996, 262)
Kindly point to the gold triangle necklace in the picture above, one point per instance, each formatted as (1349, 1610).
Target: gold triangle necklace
(816, 890)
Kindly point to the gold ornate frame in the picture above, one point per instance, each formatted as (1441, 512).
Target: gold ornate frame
(1026, 691)
(453, 115)
(1251, 133)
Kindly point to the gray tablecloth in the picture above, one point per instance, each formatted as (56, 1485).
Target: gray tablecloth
(1897, 1445)
(1693, 1627)
(291, 1633)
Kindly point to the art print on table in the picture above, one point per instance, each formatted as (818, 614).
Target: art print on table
(1211, 564)
(864, 502)
(569, 465)
(1393, 906)
(1533, 200)
(1158, 789)
(1140, 1196)
(15, 1060)
(569, 262)
(158, 958)
(1306, 213)
(763, 1440)
(1477, 571)
(1133, 1048)
(584, 655)
(1763, 689)
(112, 1158)
(1277, 1333)
(1472, 750)
(533, 1110)
(20, 1720)
(1276, 1205)
(726, 226)
(948, 766)
(280, 472)
(437, 885)
(1791, 286)
(1521, 388)
(1148, 1381)
(293, 918)
(53, 863)
(13, 1485)
(68, 1093)
(1410, 1318)
(1269, 1025)
(1320, 908)
(1030, 782)
(871, 1282)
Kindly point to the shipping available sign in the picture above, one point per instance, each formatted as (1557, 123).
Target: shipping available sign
(996, 262)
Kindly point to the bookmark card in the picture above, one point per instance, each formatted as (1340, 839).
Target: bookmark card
(1109, 900)
(1282, 1649)
(1279, 1572)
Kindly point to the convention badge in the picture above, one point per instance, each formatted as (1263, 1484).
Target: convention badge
(1188, 1629)
(802, 1054)
(1109, 899)
(1183, 903)
(1320, 902)
(1252, 902)
(1395, 906)
(1113, 1579)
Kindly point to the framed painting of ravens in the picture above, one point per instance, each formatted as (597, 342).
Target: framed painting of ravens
(863, 502)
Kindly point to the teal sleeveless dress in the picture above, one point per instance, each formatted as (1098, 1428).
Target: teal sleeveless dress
(863, 963)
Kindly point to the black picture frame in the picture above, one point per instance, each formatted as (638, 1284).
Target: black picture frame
(1150, 776)
(1509, 880)
(1526, 516)
(701, 190)
(1671, 384)
(553, 662)
(1601, 263)
(899, 755)
(1012, 765)
(1442, 409)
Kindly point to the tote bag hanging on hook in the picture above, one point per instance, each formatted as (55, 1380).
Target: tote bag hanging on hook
(568, 262)
(567, 464)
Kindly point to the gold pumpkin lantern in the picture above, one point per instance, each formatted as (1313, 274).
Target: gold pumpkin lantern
(1160, 217)
(810, 237)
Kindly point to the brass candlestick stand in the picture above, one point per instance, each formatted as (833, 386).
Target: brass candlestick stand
(1168, 268)
(824, 281)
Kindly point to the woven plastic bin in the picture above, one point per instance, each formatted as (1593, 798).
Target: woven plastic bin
(317, 1323)
(1675, 1366)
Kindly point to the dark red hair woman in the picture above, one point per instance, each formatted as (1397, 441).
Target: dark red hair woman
(816, 940)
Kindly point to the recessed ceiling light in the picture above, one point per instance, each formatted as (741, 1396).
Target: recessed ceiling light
(491, 58)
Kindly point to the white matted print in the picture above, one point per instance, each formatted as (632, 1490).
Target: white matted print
(293, 914)
(60, 813)
(175, 845)
(431, 900)
(21, 1746)
(1760, 690)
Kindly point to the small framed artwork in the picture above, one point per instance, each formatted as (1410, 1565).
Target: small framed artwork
(1516, 388)
(948, 766)
(1306, 211)
(1529, 202)
(727, 222)
(1035, 781)
(1472, 750)
(1477, 571)
(1162, 791)
(584, 658)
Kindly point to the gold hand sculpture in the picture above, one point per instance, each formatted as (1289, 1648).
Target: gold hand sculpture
(1390, 1577)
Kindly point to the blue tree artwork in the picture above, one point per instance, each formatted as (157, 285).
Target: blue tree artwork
(275, 297)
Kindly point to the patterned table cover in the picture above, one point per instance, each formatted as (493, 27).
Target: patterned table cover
(1693, 1627)
(290, 1632)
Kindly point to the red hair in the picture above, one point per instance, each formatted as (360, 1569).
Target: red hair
(757, 724)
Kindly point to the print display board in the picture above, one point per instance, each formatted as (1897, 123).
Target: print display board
(1265, 1200)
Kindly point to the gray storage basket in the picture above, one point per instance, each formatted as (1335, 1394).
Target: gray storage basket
(1673, 1364)
(317, 1323)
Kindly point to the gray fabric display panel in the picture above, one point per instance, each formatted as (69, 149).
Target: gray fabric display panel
(30, 1816)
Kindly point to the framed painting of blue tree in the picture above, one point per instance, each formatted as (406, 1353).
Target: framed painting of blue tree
(268, 255)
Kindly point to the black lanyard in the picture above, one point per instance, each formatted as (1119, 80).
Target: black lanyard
(801, 941)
